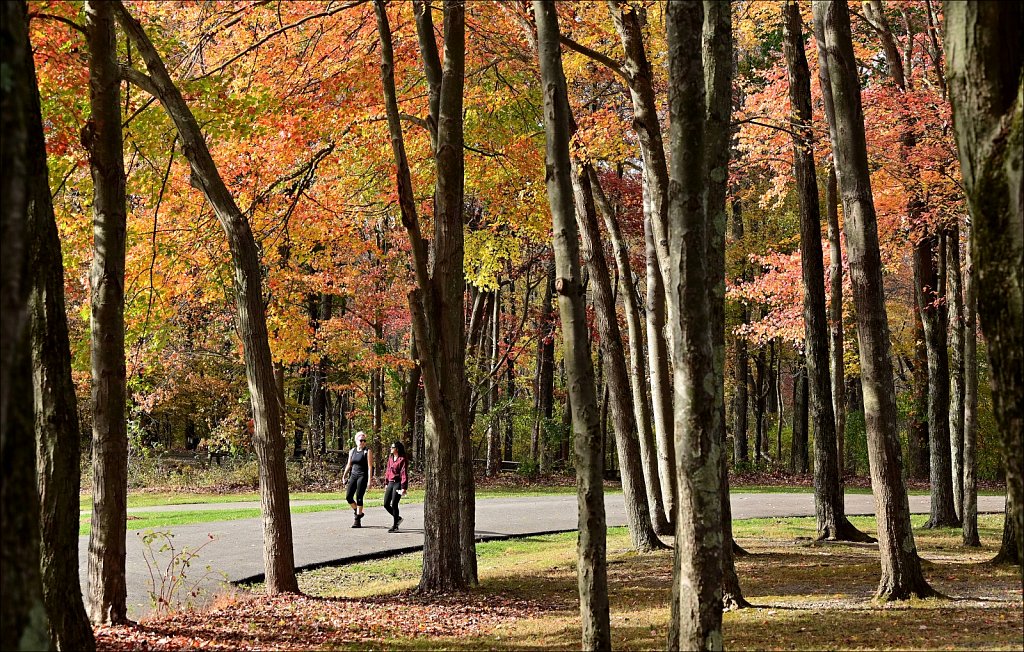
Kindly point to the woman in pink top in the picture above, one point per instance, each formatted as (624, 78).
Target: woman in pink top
(396, 477)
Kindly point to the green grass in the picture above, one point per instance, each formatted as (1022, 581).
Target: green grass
(161, 520)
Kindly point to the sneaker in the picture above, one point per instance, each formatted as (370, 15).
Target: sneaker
(356, 524)
(393, 528)
(398, 522)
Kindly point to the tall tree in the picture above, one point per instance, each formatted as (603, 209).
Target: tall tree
(637, 367)
(901, 567)
(102, 138)
(56, 412)
(696, 620)
(829, 510)
(23, 619)
(984, 63)
(930, 293)
(620, 396)
(717, 55)
(955, 309)
(251, 324)
(969, 516)
(591, 550)
(639, 75)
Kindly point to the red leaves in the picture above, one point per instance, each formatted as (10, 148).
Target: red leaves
(287, 622)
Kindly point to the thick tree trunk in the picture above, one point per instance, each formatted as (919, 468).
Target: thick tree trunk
(591, 561)
(984, 62)
(828, 484)
(58, 438)
(901, 567)
(278, 556)
(437, 305)
(637, 366)
(23, 617)
(717, 54)
(101, 137)
(696, 617)
(930, 297)
(955, 306)
(1008, 553)
(970, 504)
(620, 398)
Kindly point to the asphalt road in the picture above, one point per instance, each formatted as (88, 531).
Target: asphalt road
(323, 538)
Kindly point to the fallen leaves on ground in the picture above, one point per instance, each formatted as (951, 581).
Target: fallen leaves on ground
(290, 622)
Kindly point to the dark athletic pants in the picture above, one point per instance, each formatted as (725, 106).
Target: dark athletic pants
(356, 488)
(391, 498)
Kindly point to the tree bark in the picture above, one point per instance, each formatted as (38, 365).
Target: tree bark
(970, 504)
(829, 510)
(620, 399)
(591, 559)
(278, 556)
(917, 435)
(901, 567)
(835, 308)
(984, 64)
(1008, 553)
(798, 446)
(546, 371)
(493, 464)
(741, 441)
(930, 302)
(101, 137)
(56, 412)
(23, 617)
(696, 617)
(717, 55)
(955, 307)
(637, 366)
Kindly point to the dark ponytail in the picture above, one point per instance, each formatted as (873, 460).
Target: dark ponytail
(400, 447)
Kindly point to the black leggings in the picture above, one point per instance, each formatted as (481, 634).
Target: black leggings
(391, 498)
(356, 488)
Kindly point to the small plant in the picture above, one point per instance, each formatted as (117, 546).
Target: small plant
(170, 588)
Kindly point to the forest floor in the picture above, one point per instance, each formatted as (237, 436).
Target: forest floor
(805, 596)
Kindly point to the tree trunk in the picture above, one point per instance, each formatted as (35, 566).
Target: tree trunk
(955, 306)
(930, 297)
(1008, 553)
(970, 504)
(828, 484)
(917, 435)
(545, 372)
(901, 567)
(741, 368)
(658, 365)
(984, 64)
(23, 617)
(620, 398)
(835, 309)
(409, 395)
(591, 561)
(101, 137)
(637, 373)
(798, 446)
(696, 618)
(278, 556)
(760, 394)
(717, 54)
(437, 305)
(493, 463)
(56, 412)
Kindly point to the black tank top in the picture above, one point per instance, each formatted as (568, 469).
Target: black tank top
(360, 461)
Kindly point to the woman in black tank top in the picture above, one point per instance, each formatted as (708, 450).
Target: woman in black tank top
(359, 474)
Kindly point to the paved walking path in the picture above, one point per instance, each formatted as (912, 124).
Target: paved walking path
(322, 538)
